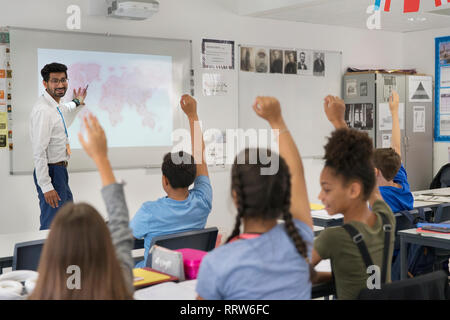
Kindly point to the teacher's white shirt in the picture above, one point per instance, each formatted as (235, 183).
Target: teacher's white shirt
(48, 137)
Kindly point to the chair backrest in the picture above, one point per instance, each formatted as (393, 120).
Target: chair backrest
(442, 213)
(204, 239)
(430, 286)
(27, 255)
(441, 179)
(407, 219)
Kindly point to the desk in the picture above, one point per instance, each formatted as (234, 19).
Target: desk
(185, 290)
(434, 192)
(321, 218)
(431, 197)
(317, 230)
(426, 239)
(8, 242)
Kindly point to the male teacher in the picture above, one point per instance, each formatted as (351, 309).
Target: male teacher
(50, 141)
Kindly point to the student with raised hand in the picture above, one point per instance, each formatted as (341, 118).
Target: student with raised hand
(80, 244)
(347, 186)
(392, 178)
(182, 209)
(268, 260)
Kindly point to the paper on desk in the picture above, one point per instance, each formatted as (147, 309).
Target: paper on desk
(167, 291)
(323, 266)
(431, 198)
(323, 214)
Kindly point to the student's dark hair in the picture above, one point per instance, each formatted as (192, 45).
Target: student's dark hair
(52, 68)
(349, 153)
(179, 168)
(387, 161)
(264, 197)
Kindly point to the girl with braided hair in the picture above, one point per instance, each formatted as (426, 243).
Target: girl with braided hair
(268, 260)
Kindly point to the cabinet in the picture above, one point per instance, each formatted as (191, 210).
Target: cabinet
(366, 96)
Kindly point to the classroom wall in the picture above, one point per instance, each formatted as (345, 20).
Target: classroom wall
(419, 53)
(193, 19)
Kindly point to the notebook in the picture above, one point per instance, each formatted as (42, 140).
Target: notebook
(144, 277)
(316, 206)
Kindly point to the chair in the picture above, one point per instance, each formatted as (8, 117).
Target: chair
(27, 255)
(431, 286)
(138, 244)
(204, 239)
(407, 219)
(442, 178)
(442, 213)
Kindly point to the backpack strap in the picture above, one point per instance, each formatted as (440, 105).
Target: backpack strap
(357, 238)
(387, 228)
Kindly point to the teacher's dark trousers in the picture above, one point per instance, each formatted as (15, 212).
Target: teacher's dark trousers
(60, 181)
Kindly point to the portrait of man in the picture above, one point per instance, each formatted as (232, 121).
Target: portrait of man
(276, 61)
(302, 61)
(291, 62)
(247, 59)
(319, 64)
(261, 61)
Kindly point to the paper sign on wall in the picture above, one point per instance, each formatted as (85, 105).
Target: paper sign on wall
(217, 54)
(419, 119)
(420, 89)
(390, 84)
(3, 130)
(386, 140)
(214, 85)
(351, 88)
(385, 118)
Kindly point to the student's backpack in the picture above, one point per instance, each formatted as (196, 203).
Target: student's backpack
(442, 178)
(421, 259)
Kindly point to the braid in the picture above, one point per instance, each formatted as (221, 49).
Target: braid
(240, 204)
(292, 231)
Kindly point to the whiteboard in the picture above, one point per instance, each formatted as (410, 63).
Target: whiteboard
(301, 98)
(26, 45)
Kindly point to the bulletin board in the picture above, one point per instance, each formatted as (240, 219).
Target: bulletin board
(300, 92)
(442, 89)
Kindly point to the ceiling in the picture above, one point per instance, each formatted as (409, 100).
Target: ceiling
(348, 13)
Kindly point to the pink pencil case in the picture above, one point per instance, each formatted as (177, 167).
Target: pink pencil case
(191, 261)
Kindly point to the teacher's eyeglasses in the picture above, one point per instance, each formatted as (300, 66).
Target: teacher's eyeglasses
(56, 81)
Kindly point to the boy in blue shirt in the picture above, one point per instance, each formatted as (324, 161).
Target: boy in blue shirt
(390, 174)
(182, 209)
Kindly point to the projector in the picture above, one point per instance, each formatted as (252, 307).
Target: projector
(132, 10)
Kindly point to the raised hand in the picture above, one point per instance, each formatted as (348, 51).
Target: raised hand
(188, 105)
(268, 108)
(334, 108)
(394, 102)
(95, 146)
(80, 94)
